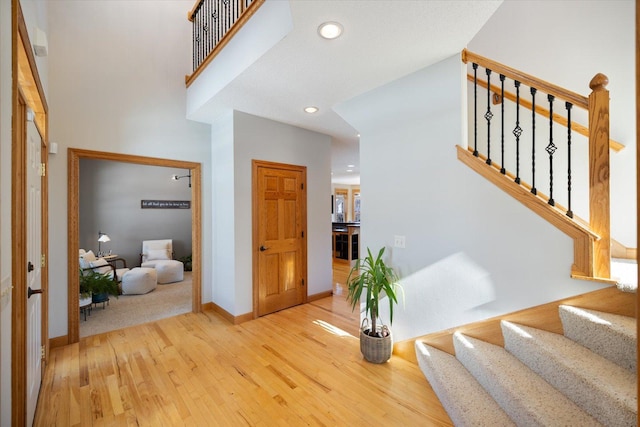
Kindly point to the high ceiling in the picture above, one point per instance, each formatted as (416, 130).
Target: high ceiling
(382, 41)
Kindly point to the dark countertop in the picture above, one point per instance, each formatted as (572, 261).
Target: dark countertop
(344, 226)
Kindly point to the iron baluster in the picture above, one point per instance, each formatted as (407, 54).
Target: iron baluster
(551, 148)
(488, 116)
(517, 131)
(193, 44)
(533, 140)
(502, 169)
(568, 105)
(475, 109)
(206, 29)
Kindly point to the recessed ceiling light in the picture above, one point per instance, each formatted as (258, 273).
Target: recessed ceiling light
(349, 170)
(351, 166)
(330, 30)
(311, 109)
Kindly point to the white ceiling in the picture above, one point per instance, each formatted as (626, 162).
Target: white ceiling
(382, 41)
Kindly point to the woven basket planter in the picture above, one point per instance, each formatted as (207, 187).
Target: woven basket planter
(376, 349)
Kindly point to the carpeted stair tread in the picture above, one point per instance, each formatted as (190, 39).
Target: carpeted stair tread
(464, 399)
(600, 387)
(609, 335)
(625, 272)
(523, 395)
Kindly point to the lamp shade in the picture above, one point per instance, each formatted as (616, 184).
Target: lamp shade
(104, 238)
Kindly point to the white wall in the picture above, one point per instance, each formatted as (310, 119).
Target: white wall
(262, 139)
(580, 40)
(223, 208)
(471, 250)
(117, 84)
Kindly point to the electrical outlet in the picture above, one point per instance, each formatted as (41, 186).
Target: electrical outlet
(399, 241)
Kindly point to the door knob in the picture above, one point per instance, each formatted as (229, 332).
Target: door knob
(263, 248)
(31, 292)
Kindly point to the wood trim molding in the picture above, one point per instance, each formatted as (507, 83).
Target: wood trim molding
(561, 120)
(234, 320)
(529, 80)
(60, 341)
(315, 297)
(545, 317)
(618, 250)
(26, 92)
(73, 205)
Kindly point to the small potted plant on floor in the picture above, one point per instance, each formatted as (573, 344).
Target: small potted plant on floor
(372, 278)
(95, 283)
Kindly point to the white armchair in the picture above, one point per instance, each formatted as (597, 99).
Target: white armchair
(158, 254)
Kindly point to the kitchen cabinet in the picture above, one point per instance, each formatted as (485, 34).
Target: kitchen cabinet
(346, 241)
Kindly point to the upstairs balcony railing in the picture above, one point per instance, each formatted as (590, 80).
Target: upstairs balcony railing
(533, 139)
(214, 23)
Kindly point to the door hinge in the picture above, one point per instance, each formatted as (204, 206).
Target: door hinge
(43, 261)
(43, 169)
(302, 186)
(302, 282)
(303, 234)
(42, 352)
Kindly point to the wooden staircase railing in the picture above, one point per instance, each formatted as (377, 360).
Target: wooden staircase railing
(592, 242)
(215, 22)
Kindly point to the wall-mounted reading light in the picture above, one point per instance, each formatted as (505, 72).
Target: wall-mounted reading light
(176, 177)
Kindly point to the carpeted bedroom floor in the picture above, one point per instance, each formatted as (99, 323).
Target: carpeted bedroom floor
(127, 310)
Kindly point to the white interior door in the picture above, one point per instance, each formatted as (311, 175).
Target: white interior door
(34, 269)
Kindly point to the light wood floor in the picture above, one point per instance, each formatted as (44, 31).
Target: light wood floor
(300, 366)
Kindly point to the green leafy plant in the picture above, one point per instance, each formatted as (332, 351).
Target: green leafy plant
(373, 278)
(187, 261)
(93, 282)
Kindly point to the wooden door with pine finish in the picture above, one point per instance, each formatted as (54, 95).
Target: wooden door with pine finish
(279, 228)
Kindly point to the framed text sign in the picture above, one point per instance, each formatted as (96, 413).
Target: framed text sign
(165, 204)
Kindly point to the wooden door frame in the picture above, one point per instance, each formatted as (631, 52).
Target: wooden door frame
(27, 92)
(73, 233)
(255, 220)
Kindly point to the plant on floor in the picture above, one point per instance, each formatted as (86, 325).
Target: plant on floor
(187, 261)
(93, 283)
(374, 279)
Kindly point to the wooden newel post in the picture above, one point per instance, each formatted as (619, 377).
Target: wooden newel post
(599, 204)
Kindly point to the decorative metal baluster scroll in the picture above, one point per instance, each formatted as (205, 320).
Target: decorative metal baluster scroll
(517, 131)
(488, 116)
(502, 169)
(568, 105)
(533, 140)
(551, 148)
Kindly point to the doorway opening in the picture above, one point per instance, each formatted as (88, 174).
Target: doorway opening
(74, 158)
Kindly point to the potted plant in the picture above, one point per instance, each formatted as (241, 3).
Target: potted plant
(95, 283)
(187, 261)
(372, 278)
